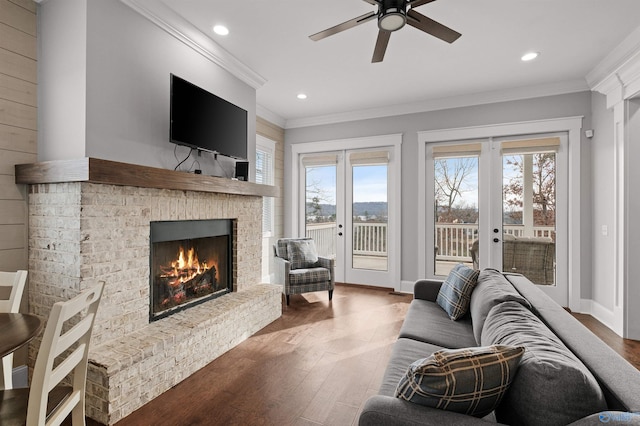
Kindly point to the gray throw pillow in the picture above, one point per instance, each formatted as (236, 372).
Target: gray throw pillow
(552, 387)
(455, 291)
(302, 254)
(469, 381)
(492, 289)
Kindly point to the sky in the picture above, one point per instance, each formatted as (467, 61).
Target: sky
(370, 182)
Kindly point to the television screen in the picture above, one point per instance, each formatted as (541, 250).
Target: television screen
(202, 120)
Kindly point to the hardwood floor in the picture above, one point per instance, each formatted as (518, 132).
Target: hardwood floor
(628, 349)
(316, 365)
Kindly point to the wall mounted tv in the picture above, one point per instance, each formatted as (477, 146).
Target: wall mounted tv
(206, 122)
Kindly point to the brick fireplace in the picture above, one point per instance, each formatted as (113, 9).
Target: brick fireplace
(90, 220)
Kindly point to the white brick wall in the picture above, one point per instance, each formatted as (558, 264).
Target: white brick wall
(83, 233)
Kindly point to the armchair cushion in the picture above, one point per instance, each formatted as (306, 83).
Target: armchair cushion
(302, 254)
(309, 276)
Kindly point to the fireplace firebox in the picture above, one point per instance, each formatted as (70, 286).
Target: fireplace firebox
(190, 263)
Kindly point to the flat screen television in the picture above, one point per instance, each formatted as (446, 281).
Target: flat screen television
(204, 121)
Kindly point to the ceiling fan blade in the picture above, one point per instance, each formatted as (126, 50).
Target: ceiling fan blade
(381, 46)
(375, 3)
(429, 26)
(416, 3)
(344, 26)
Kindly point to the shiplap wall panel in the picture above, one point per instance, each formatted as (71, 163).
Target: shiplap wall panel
(16, 90)
(29, 5)
(18, 124)
(15, 65)
(18, 139)
(13, 212)
(17, 17)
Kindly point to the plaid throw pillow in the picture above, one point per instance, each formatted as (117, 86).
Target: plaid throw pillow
(470, 381)
(302, 254)
(455, 293)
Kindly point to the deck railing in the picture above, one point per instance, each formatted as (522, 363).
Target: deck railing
(452, 240)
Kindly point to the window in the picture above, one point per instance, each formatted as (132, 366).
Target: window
(265, 152)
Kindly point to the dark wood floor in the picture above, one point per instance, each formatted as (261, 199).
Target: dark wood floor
(316, 365)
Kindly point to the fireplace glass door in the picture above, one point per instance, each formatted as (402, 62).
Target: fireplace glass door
(190, 263)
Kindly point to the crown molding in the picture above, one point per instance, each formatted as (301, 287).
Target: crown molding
(617, 76)
(527, 92)
(270, 116)
(167, 19)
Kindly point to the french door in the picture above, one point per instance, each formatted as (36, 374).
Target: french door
(348, 205)
(501, 203)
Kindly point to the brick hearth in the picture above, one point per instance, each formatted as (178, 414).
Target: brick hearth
(81, 233)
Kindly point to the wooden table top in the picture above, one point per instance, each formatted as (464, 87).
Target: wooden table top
(16, 330)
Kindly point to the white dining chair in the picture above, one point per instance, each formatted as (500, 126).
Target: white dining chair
(12, 283)
(64, 350)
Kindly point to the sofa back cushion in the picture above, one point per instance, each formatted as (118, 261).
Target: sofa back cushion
(552, 387)
(492, 289)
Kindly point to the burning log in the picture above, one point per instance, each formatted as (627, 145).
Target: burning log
(184, 279)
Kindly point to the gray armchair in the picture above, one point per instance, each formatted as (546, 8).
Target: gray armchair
(300, 270)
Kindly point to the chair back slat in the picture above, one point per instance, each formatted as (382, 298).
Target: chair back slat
(16, 281)
(72, 336)
(55, 348)
(12, 283)
(65, 367)
(62, 410)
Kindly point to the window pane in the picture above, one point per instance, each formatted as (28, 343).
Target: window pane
(320, 208)
(456, 213)
(370, 217)
(529, 216)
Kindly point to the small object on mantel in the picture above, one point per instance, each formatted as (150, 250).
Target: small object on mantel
(95, 170)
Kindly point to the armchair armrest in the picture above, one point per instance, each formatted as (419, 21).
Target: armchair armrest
(282, 268)
(426, 289)
(325, 262)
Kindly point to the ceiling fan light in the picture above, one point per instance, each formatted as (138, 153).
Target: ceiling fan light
(392, 20)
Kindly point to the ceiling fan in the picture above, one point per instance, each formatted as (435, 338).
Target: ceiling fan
(393, 15)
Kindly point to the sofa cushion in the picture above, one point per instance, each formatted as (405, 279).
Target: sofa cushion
(455, 292)
(308, 276)
(403, 353)
(427, 322)
(302, 254)
(552, 386)
(469, 380)
(492, 289)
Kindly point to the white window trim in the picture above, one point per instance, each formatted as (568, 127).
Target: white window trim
(571, 125)
(269, 146)
(392, 140)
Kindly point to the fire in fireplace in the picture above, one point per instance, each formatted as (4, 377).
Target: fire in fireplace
(191, 262)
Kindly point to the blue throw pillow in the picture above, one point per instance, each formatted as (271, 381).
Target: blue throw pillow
(469, 381)
(455, 293)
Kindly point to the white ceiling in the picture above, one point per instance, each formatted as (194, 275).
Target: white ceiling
(271, 38)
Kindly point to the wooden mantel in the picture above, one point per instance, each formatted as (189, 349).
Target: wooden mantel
(94, 170)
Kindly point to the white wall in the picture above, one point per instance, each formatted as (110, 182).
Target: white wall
(128, 62)
(576, 104)
(602, 207)
(632, 296)
(62, 57)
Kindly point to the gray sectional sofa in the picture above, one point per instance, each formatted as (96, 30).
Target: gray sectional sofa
(566, 376)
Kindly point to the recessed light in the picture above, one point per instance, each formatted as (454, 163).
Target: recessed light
(529, 56)
(221, 30)
(302, 96)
